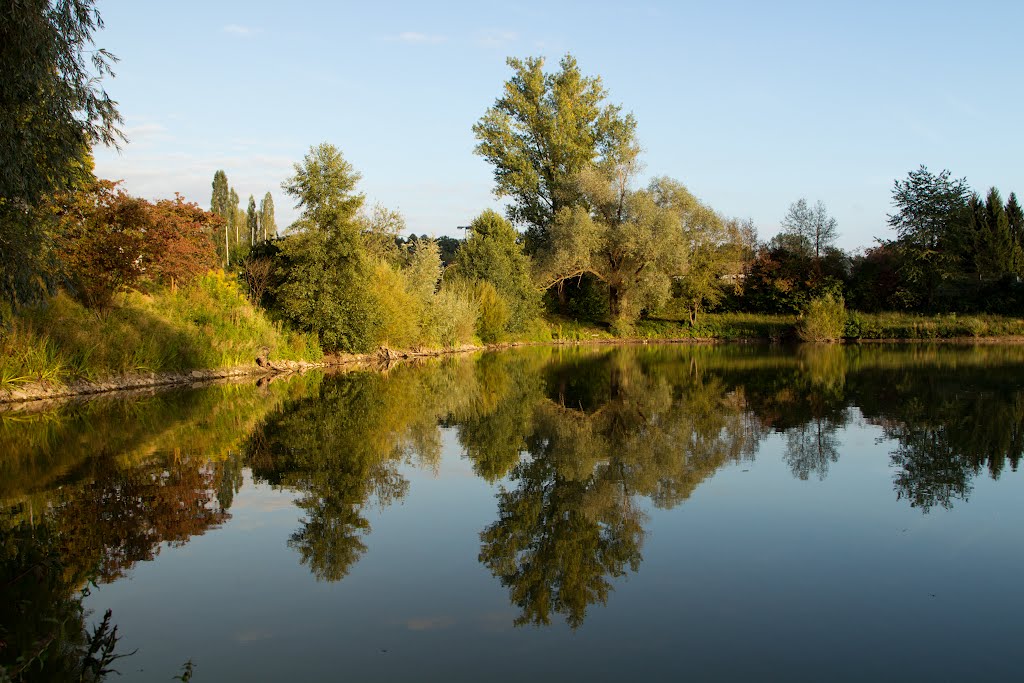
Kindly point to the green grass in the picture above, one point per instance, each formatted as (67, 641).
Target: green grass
(722, 326)
(944, 326)
(206, 325)
(743, 326)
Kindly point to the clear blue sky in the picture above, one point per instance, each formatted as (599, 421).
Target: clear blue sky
(751, 104)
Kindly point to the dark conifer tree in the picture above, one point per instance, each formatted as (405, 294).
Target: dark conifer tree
(1000, 240)
(1015, 219)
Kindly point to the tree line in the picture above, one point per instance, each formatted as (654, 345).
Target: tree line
(580, 236)
(565, 160)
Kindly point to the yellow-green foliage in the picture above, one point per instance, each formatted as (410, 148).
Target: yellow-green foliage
(494, 313)
(824, 320)
(453, 316)
(398, 312)
(209, 324)
(536, 330)
(408, 313)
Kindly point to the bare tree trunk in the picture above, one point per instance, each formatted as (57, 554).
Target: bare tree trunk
(614, 297)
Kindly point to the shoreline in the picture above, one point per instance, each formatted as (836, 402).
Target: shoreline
(45, 393)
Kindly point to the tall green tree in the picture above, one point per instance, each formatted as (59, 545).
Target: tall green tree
(930, 220)
(53, 109)
(219, 198)
(219, 204)
(543, 131)
(323, 268)
(252, 220)
(268, 226)
(236, 217)
(1015, 219)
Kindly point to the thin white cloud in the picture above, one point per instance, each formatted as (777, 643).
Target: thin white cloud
(495, 37)
(143, 130)
(416, 37)
(239, 30)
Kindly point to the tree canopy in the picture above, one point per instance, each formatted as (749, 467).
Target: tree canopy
(812, 226)
(268, 225)
(620, 236)
(543, 131)
(712, 247)
(53, 107)
(492, 253)
(929, 222)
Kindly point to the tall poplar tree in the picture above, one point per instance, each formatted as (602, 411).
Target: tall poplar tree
(219, 206)
(235, 216)
(252, 221)
(267, 224)
(1015, 220)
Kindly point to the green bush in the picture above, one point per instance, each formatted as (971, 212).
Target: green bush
(824, 319)
(854, 327)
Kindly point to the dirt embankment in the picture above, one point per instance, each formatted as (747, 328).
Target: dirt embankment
(383, 357)
(261, 367)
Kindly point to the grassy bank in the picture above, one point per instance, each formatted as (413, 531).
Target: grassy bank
(211, 325)
(207, 325)
(752, 326)
(946, 326)
(719, 326)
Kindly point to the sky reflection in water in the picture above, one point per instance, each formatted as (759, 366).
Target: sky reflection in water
(723, 512)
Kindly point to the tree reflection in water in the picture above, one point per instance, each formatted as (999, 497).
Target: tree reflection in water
(578, 439)
(608, 431)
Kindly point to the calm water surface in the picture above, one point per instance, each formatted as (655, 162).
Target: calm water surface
(612, 513)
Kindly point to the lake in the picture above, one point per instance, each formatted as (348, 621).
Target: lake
(568, 513)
